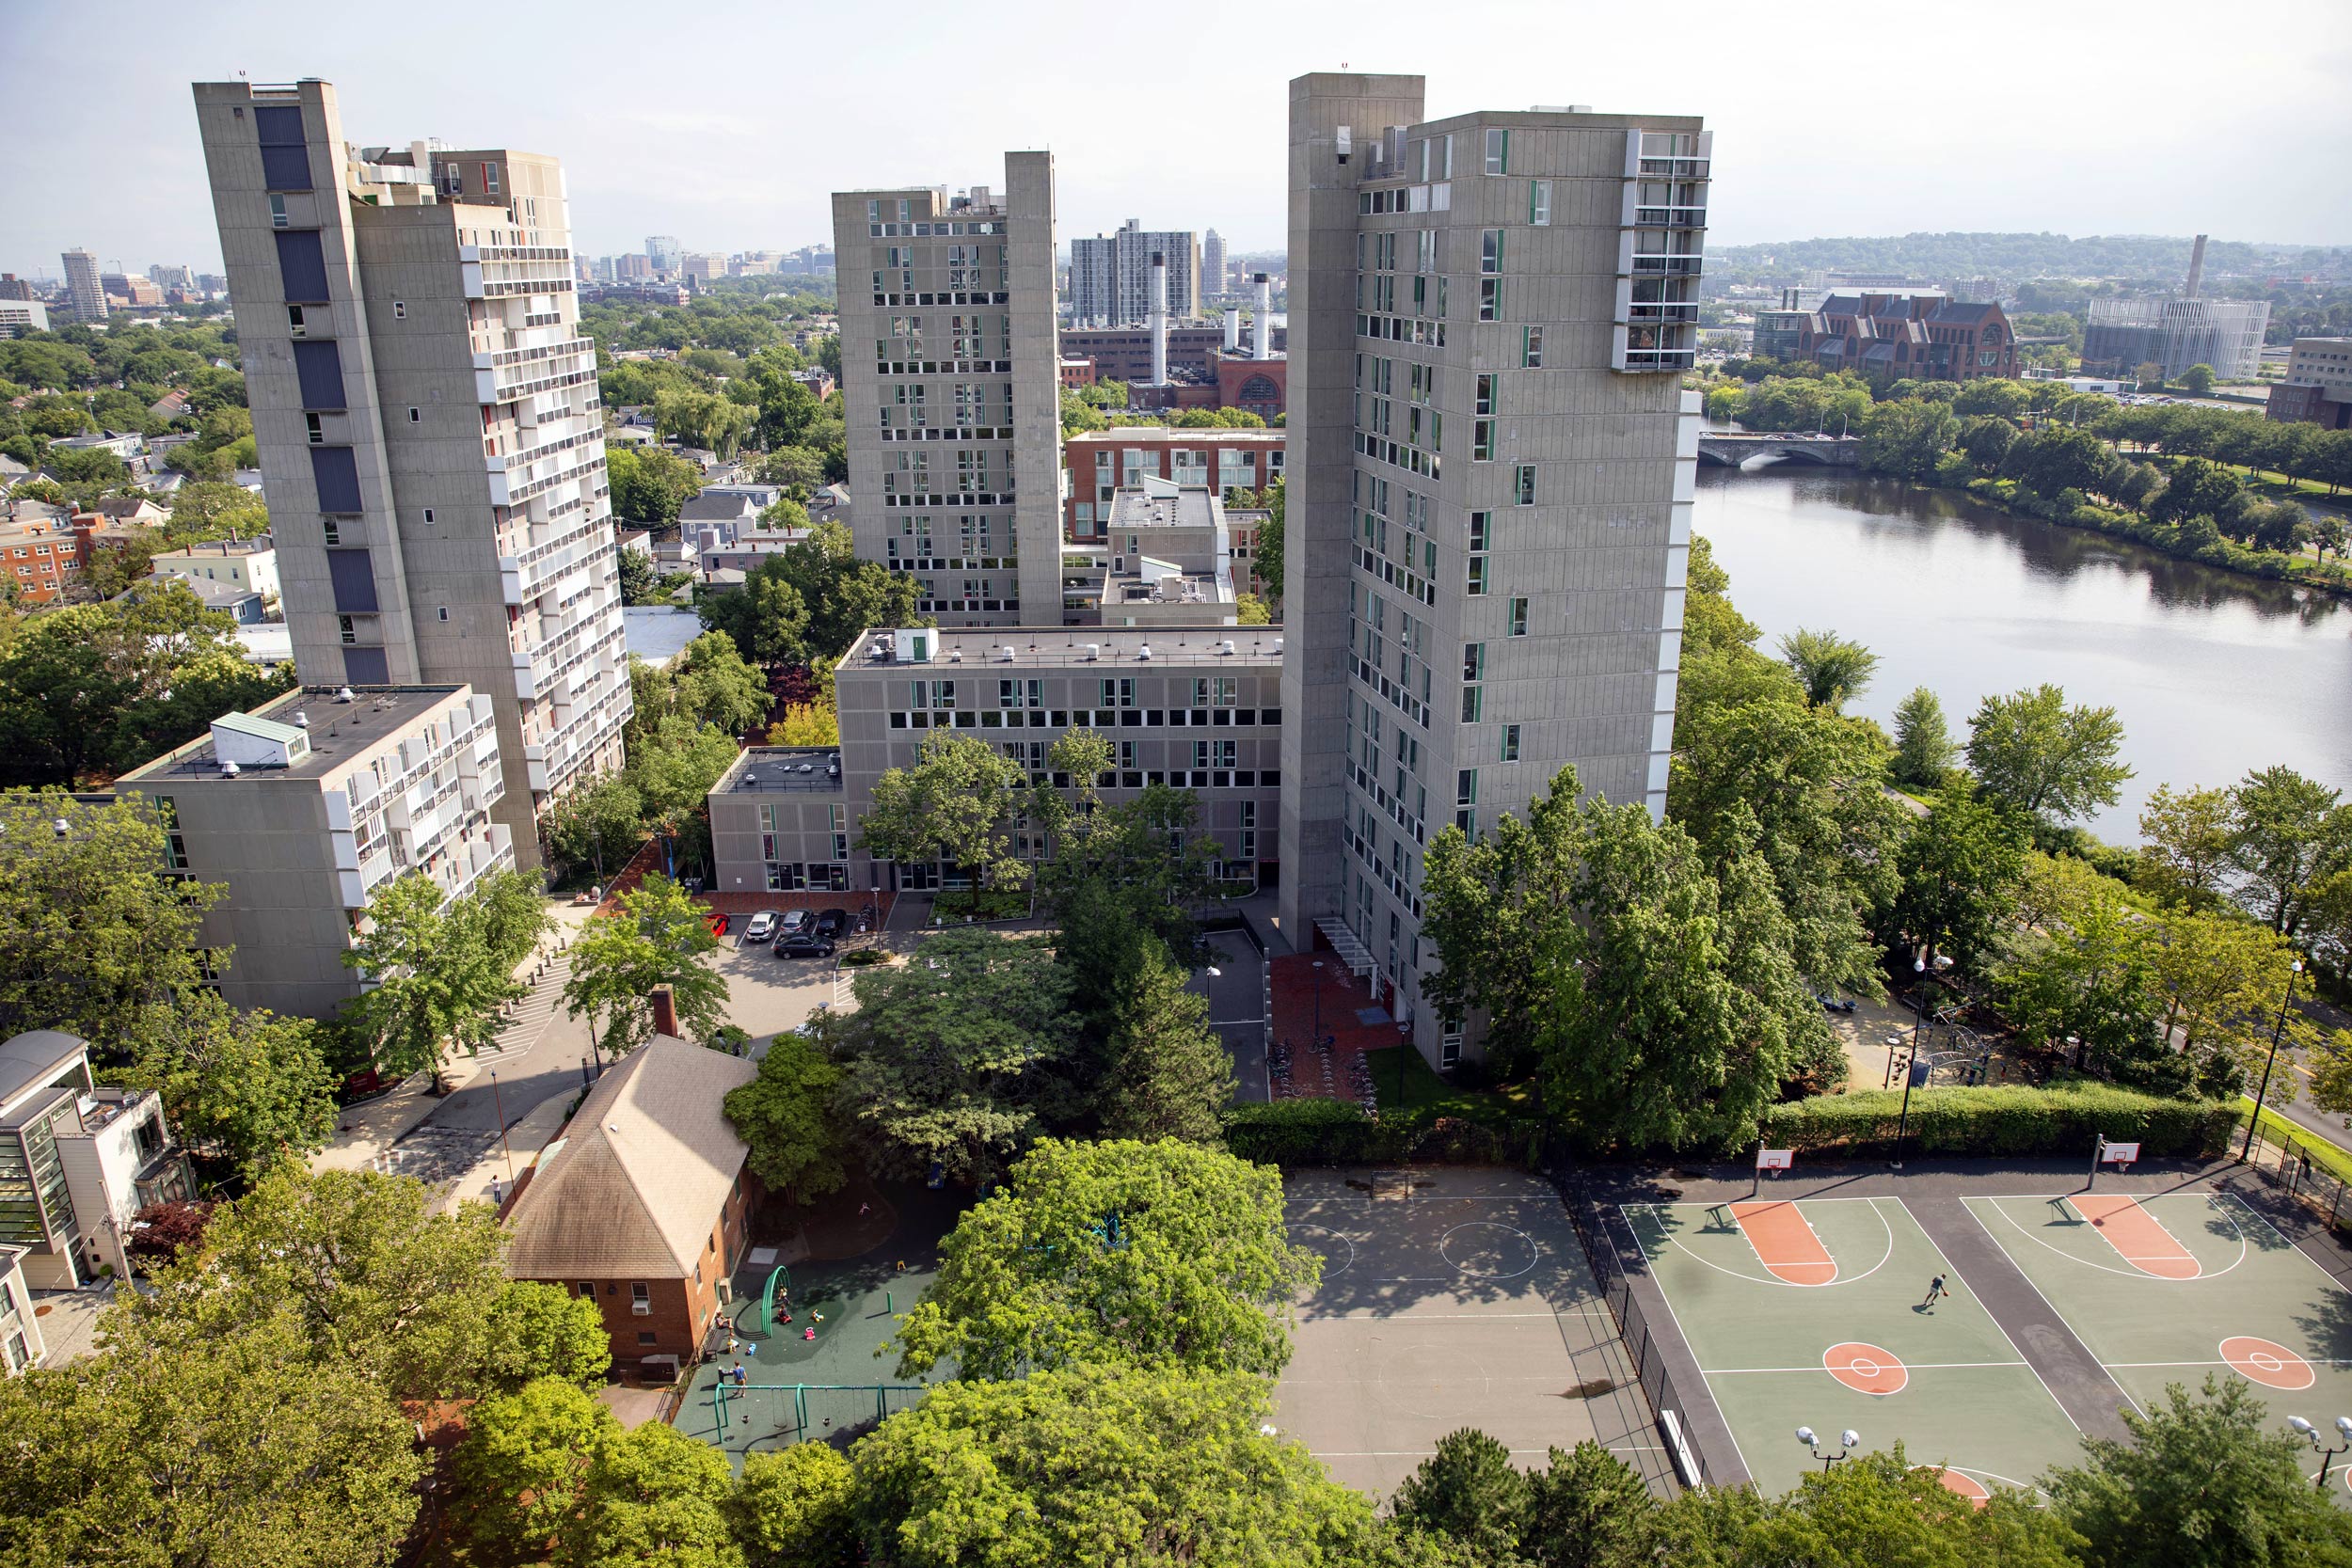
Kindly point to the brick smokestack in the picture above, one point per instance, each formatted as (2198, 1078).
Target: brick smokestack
(664, 1002)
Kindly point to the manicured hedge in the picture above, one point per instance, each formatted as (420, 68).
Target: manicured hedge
(2002, 1119)
(1314, 1132)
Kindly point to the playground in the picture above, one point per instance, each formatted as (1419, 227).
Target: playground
(2169, 1288)
(1814, 1312)
(1451, 1297)
(807, 1334)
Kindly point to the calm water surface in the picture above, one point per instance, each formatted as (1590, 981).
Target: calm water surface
(2211, 673)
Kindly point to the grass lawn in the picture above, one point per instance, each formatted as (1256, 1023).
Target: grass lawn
(1423, 1090)
(2333, 1157)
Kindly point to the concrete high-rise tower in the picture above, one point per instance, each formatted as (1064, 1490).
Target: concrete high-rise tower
(81, 281)
(1212, 280)
(1111, 275)
(950, 384)
(426, 411)
(664, 252)
(1491, 472)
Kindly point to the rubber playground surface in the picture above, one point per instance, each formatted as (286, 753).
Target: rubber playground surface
(1815, 1313)
(2169, 1289)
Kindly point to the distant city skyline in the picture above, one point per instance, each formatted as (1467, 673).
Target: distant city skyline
(2021, 142)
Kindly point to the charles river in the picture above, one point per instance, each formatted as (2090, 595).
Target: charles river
(2211, 673)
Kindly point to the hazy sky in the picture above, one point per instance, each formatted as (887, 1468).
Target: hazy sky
(726, 124)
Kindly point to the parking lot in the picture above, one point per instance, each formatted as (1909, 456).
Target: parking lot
(767, 995)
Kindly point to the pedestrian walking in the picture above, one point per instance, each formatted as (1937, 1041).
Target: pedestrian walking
(1935, 1288)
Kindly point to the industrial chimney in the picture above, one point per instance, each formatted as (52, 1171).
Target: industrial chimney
(1262, 330)
(1159, 319)
(2197, 266)
(1232, 328)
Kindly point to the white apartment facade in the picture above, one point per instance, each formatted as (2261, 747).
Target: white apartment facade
(1491, 472)
(426, 411)
(951, 389)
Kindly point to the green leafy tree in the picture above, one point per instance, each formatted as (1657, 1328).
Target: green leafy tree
(539, 1331)
(671, 767)
(2033, 753)
(1987, 441)
(2198, 380)
(954, 1059)
(1469, 1490)
(1880, 1508)
(1584, 1508)
(1170, 1073)
(2221, 978)
(2080, 974)
(1958, 871)
(1992, 395)
(1906, 439)
(173, 1446)
(438, 981)
(784, 1116)
(1833, 670)
(2197, 488)
(659, 937)
(715, 686)
(1161, 1254)
(204, 511)
(639, 584)
(764, 615)
(1079, 1467)
(2288, 836)
(796, 1508)
(955, 804)
(521, 1470)
(1266, 552)
(1924, 751)
(799, 469)
(648, 485)
(1761, 770)
(2185, 845)
(251, 1087)
(92, 941)
(2204, 1482)
(652, 1497)
(376, 1281)
(599, 824)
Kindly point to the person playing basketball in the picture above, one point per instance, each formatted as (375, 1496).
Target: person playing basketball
(1935, 1288)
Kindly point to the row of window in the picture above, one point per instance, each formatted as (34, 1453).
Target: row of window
(1014, 717)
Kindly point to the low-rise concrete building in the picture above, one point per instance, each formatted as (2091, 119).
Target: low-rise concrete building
(1193, 706)
(306, 806)
(77, 1161)
(1167, 559)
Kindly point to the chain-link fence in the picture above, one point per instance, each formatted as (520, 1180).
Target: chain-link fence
(1624, 1309)
(2301, 1168)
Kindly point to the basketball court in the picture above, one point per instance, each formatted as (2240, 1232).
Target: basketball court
(1813, 1313)
(1450, 1298)
(2168, 1288)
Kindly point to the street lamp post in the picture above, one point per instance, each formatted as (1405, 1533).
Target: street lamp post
(1848, 1441)
(1911, 1067)
(2327, 1456)
(499, 1101)
(2245, 1151)
(1318, 1002)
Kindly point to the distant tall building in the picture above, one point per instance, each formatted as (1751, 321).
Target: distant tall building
(951, 389)
(81, 282)
(2177, 331)
(14, 287)
(165, 276)
(664, 252)
(1111, 275)
(1466, 617)
(425, 407)
(1213, 278)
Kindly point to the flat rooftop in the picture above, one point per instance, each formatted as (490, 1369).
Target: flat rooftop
(1135, 435)
(980, 649)
(340, 733)
(782, 770)
(1155, 506)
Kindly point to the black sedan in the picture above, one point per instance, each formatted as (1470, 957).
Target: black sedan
(831, 923)
(808, 944)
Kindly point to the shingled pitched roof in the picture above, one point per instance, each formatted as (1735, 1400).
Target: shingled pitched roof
(635, 1183)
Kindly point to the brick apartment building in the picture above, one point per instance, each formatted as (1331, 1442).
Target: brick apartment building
(644, 1201)
(1927, 337)
(1102, 462)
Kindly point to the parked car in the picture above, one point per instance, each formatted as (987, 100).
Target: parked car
(763, 925)
(806, 945)
(795, 922)
(719, 923)
(831, 923)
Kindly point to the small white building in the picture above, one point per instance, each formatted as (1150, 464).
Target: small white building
(77, 1161)
(247, 563)
(19, 1331)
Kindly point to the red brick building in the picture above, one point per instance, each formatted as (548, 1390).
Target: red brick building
(1923, 337)
(644, 1201)
(1102, 461)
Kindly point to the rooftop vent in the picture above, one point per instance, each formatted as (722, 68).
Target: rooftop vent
(342, 694)
(302, 718)
(1144, 651)
(1094, 650)
(1008, 654)
(228, 769)
(1226, 646)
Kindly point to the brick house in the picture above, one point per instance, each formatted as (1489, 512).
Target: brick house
(1926, 337)
(644, 1201)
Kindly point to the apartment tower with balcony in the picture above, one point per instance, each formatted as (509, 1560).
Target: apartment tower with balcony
(1491, 476)
(950, 383)
(431, 441)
